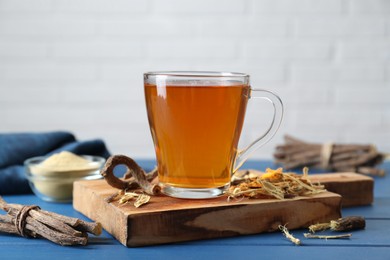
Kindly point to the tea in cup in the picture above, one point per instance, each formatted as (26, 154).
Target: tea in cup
(196, 120)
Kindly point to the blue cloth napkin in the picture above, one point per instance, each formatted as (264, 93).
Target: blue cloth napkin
(17, 147)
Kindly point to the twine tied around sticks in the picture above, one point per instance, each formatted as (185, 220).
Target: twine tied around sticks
(326, 153)
(20, 220)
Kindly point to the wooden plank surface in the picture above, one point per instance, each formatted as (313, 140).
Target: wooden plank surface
(168, 220)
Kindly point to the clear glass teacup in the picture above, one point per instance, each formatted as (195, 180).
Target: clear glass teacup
(196, 120)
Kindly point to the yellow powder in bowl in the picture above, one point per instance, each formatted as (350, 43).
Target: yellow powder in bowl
(64, 162)
(52, 178)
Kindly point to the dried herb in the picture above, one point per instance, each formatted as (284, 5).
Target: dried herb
(289, 236)
(309, 235)
(273, 184)
(116, 196)
(127, 196)
(341, 224)
(140, 199)
(348, 223)
(31, 221)
(319, 227)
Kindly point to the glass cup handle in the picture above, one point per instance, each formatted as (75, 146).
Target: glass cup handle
(244, 154)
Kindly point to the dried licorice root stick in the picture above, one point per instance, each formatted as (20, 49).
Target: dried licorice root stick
(308, 235)
(341, 224)
(151, 177)
(31, 221)
(133, 169)
(78, 224)
(289, 236)
(348, 223)
(319, 227)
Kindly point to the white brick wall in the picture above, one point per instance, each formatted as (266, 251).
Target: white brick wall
(77, 65)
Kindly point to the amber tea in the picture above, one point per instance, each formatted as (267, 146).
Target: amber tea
(196, 131)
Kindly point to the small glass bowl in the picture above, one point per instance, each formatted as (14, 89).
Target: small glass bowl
(57, 186)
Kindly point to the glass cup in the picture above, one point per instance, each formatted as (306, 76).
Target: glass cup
(196, 120)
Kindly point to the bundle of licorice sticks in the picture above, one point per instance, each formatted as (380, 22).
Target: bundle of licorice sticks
(360, 158)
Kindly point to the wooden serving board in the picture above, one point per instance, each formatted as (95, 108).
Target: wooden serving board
(168, 220)
(355, 189)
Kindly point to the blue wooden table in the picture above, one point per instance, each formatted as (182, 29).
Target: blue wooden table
(371, 243)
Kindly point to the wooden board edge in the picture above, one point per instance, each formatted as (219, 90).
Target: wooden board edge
(240, 219)
(87, 202)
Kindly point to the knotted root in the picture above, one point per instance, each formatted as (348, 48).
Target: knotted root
(135, 176)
